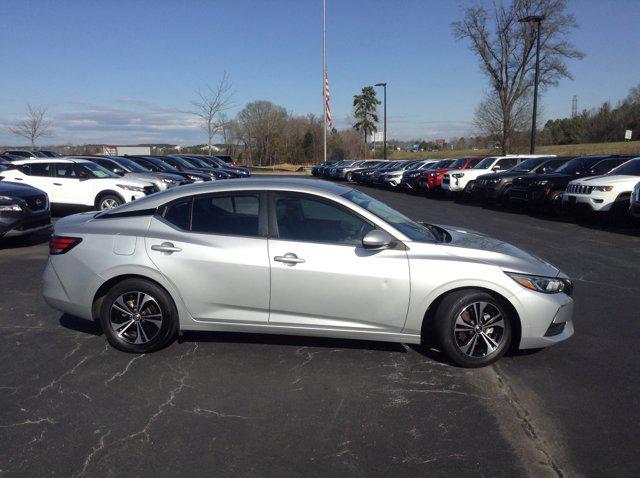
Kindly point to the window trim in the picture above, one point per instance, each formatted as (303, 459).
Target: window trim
(273, 219)
(262, 213)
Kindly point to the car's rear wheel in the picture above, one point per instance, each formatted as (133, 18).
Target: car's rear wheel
(108, 201)
(138, 316)
(473, 328)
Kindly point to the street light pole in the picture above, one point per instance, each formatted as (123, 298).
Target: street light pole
(384, 132)
(538, 21)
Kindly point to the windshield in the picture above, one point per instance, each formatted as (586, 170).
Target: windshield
(135, 167)
(198, 162)
(97, 171)
(183, 162)
(459, 163)
(485, 163)
(409, 228)
(630, 168)
(578, 164)
(164, 166)
(528, 165)
(445, 163)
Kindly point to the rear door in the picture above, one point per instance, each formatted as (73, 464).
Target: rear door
(38, 175)
(213, 248)
(322, 277)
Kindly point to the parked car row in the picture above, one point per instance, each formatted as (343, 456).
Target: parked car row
(562, 185)
(30, 185)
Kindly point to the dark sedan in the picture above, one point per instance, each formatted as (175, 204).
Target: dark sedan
(23, 209)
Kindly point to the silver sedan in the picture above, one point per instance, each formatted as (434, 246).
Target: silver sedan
(301, 257)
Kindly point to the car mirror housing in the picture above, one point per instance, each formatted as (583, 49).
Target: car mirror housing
(378, 239)
(118, 171)
(495, 169)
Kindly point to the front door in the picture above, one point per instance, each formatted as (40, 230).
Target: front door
(322, 277)
(213, 248)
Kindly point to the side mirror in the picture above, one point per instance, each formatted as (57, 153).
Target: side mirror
(495, 169)
(377, 240)
(119, 171)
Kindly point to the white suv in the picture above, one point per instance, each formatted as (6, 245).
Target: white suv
(77, 182)
(608, 193)
(463, 180)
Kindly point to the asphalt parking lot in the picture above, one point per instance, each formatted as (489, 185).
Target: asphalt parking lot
(251, 405)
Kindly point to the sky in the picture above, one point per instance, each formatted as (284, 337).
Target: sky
(124, 71)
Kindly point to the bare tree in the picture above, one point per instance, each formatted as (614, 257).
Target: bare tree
(507, 54)
(210, 105)
(34, 126)
(489, 120)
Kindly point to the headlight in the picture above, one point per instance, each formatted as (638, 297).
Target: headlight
(131, 188)
(195, 179)
(10, 204)
(433, 175)
(458, 175)
(547, 285)
(541, 182)
(494, 181)
(602, 188)
(167, 181)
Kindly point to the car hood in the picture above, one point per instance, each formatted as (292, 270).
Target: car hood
(553, 176)
(469, 172)
(17, 190)
(506, 174)
(608, 180)
(477, 247)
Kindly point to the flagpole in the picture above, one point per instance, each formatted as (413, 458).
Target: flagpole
(324, 75)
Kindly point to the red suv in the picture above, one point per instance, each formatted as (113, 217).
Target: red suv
(432, 181)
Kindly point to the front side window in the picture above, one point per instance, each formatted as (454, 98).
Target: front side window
(308, 219)
(630, 168)
(485, 163)
(92, 170)
(235, 215)
(66, 170)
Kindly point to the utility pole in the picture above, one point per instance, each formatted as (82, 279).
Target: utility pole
(537, 19)
(324, 75)
(384, 131)
(574, 106)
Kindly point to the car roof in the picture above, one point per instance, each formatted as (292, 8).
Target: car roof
(50, 160)
(249, 184)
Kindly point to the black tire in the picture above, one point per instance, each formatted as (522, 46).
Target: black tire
(555, 203)
(108, 201)
(453, 338)
(125, 337)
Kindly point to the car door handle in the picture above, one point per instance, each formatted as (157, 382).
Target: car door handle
(289, 258)
(57, 184)
(165, 248)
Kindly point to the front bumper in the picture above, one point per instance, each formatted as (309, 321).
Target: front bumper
(452, 184)
(589, 202)
(23, 223)
(546, 319)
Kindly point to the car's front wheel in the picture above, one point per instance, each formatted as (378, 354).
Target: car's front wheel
(108, 201)
(138, 316)
(473, 328)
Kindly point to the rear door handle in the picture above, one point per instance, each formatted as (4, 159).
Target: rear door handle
(289, 258)
(57, 184)
(166, 248)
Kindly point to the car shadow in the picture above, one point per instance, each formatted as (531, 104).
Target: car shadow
(71, 322)
(291, 340)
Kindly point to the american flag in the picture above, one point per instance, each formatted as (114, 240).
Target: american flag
(326, 100)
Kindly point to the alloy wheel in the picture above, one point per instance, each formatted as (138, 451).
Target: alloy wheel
(108, 203)
(136, 317)
(479, 329)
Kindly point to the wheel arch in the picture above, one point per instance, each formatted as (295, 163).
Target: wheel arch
(427, 331)
(108, 192)
(102, 291)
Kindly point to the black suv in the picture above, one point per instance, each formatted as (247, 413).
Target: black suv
(23, 209)
(497, 186)
(545, 190)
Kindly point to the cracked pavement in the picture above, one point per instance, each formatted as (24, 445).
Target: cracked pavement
(252, 405)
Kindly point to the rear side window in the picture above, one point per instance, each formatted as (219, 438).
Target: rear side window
(36, 169)
(235, 215)
(179, 214)
(507, 163)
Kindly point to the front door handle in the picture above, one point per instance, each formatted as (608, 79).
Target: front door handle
(289, 258)
(166, 248)
(57, 184)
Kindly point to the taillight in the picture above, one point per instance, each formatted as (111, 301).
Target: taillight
(62, 245)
